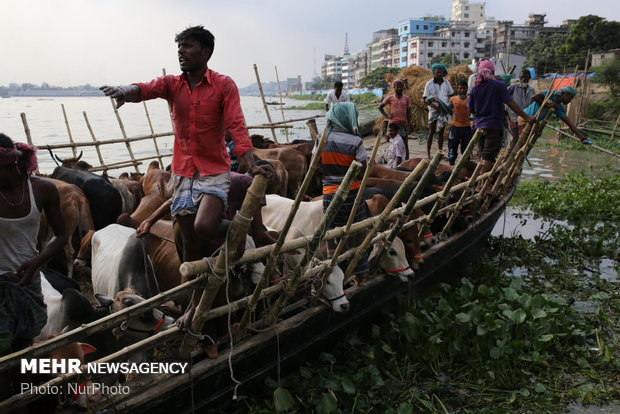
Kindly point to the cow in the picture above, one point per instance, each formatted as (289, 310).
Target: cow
(86, 396)
(78, 222)
(105, 201)
(466, 171)
(279, 181)
(135, 189)
(332, 290)
(77, 310)
(293, 161)
(128, 202)
(308, 218)
(148, 205)
(156, 181)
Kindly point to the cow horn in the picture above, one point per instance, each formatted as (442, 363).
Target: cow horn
(79, 156)
(59, 159)
(52, 155)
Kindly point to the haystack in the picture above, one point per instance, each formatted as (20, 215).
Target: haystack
(417, 78)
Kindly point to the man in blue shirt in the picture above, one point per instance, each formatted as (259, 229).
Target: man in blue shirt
(557, 101)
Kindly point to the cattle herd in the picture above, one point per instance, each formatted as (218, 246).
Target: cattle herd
(102, 213)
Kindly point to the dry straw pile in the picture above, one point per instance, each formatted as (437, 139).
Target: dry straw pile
(417, 78)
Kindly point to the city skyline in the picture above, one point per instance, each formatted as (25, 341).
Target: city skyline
(72, 42)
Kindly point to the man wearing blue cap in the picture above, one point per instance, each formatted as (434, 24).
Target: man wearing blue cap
(557, 100)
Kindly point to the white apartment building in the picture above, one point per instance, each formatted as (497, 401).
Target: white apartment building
(464, 11)
(458, 39)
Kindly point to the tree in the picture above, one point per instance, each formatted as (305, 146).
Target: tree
(590, 33)
(376, 78)
(543, 52)
(608, 72)
(448, 59)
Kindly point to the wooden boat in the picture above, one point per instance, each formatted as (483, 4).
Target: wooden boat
(306, 325)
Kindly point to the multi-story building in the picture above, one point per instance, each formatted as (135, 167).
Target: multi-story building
(384, 49)
(355, 69)
(464, 11)
(426, 26)
(293, 85)
(458, 39)
(332, 67)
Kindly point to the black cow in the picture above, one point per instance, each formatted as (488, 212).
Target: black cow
(105, 200)
(77, 310)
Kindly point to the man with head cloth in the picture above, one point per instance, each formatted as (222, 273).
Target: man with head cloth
(23, 199)
(486, 102)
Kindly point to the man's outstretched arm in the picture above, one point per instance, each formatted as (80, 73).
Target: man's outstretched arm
(122, 94)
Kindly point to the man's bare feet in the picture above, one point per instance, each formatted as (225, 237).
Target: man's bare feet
(211, 350)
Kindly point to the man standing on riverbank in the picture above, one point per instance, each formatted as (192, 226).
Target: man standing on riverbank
(204, 104)
(522, 93)
(437, 93)
(400, 111)
(486, 102)
(337, 95)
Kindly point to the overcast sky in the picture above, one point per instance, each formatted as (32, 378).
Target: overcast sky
(73, 42)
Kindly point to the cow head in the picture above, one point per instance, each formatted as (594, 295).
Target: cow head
(77, 350)
(333, 291)
(68, 162)
(393, 261)
(138, 327)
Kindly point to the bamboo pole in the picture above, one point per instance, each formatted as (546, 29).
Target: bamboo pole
(148, 118)
(122, 127)
(262, 95)
(288, 121)
(109, 141)
(92, 135)
(236, 232)
(592, 145)
(28, 136)
(273, 255)
(459, 204)
(613, 132)
(358, 198)
(448, 185)
(113, 320)
(293, 281)
(382, 219)
(281, 105)
(269, 126)
(602, 131)
(64, 114)
(403, 216)
(517, 165)
(584, 89)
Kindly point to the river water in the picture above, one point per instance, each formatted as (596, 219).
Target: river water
(47, 124)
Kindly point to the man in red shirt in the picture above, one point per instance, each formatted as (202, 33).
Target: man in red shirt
(400, 111)
(204, 105)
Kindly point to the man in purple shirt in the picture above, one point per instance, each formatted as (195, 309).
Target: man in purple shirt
(486, 102)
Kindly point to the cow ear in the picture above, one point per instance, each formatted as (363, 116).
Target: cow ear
(86, 348)
(104, 300)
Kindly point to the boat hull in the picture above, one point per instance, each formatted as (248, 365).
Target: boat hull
(306, 333)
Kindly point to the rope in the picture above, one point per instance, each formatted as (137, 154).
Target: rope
(230, 333)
